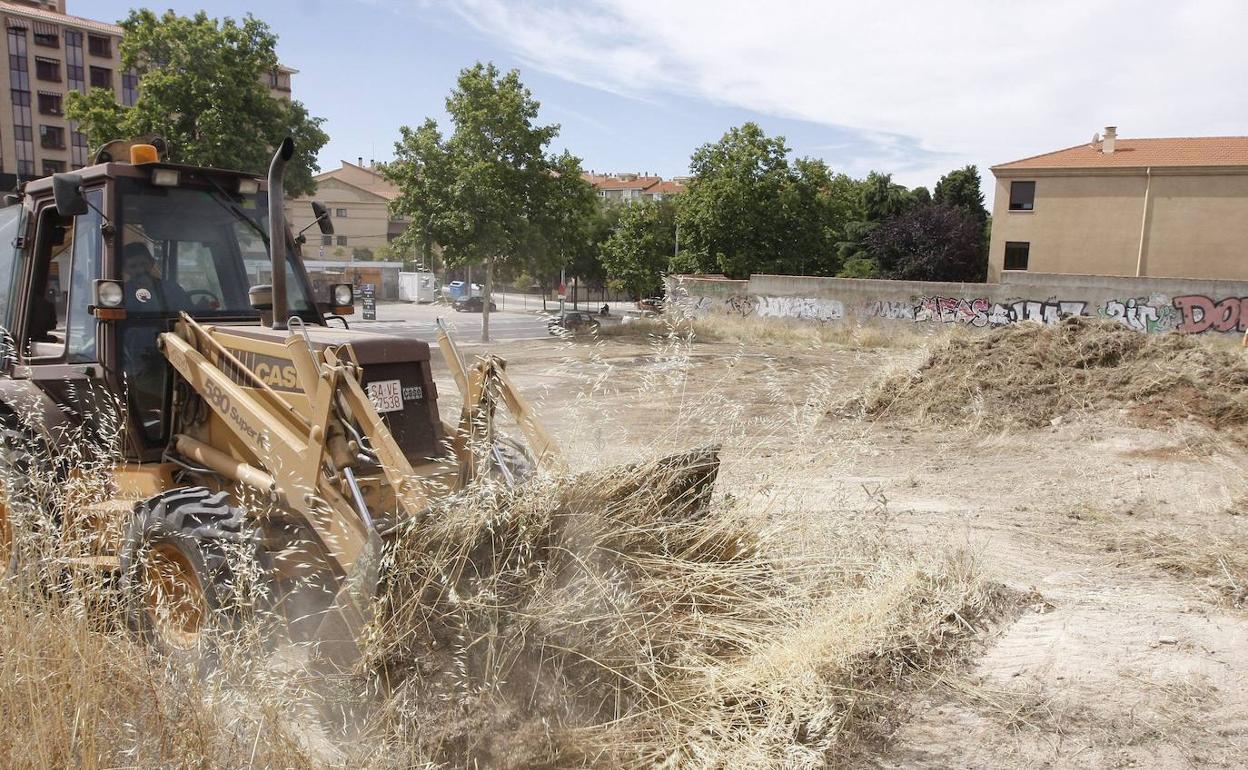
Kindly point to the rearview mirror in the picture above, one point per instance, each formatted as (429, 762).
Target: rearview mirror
(322, 218)
(67, 192)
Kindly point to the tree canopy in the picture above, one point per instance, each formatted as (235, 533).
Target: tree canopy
(490, 191)
(201, 87)
(638, 251)
(748, 209)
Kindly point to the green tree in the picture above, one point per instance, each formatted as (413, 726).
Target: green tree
(960, 188)
(362, 254)
(201, 88)
(749, 209)
(489, 192)
(639, 249)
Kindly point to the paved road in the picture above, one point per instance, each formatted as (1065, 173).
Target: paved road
(420, 321)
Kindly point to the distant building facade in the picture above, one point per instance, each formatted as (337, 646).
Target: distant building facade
(1165, 207)
(48, 54)
(632, 187)
(358, 200)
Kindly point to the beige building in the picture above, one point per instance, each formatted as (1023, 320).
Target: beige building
(358, 199)
(1173, 208)
(49, 54)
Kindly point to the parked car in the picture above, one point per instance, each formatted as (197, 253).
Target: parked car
(472, 305)
(573, 321)
(651, 304)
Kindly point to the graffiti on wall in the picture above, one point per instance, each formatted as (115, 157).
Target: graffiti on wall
(800, 308)
(979, 312)
(889, 310)
(951, 310)
(1198, 313)
(1144, 314)
(1188, 314)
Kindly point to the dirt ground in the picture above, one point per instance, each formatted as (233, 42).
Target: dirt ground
(1112, 662)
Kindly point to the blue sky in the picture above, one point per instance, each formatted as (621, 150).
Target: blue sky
(636, 85)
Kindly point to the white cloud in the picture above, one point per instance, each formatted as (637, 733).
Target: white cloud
(980, 82)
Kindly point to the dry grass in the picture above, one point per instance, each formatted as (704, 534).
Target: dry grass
(584, 621)
(571, 625)
(765, 331)
(1215, 558)
(1028, 374)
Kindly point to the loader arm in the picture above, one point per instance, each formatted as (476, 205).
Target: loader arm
(305, 459)
(481, 386)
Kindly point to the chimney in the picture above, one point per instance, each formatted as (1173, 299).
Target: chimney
(1107, 141)
(359, 161)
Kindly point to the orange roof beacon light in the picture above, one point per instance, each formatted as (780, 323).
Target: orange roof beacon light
(144, 153)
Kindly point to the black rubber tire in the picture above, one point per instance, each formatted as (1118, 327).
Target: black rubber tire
(15, 468)
(206, 531)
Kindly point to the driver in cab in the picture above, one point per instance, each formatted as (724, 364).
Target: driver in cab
(145, 289)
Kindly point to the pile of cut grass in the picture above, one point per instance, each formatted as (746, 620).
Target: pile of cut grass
(601, 621)
(1028, 374)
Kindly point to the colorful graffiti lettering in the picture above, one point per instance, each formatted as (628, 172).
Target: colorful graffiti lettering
(952, 310)
(979, 312)
(1144, 314)
(1198, 314)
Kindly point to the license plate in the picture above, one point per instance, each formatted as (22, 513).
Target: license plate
(386, 395)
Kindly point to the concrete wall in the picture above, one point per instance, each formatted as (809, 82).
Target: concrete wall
(1145, 304)
(1094, 222)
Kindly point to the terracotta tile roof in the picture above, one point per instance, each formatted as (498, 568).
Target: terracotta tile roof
(614, 182)
(360, 177)
(1140, 153)
(670, 187)
(30, 12)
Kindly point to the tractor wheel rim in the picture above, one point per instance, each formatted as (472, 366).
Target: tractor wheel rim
(173, 598)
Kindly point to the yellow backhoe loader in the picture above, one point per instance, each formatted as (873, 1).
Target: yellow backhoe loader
(251, 416)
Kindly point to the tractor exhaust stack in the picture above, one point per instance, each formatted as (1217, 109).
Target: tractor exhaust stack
(277, 230)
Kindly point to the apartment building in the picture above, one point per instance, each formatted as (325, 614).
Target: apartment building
(631, 187)
(49, 54)
(1157, 207)
(358, 199)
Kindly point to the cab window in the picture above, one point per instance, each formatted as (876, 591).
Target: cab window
(66, 262)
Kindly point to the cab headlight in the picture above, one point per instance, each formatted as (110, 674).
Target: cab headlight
(109, 294)
(342, 294)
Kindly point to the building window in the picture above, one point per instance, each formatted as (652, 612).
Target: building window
(342, 240)
(78, 150)
(52, 137)
(129, 88)
(19, 84)
(51, 167)
(101, 77)
(49, 103)
(48, 38)
(340, 212)
(48, 69)
(74, 70)
(327, 240)
(1016, 253)
(100, 46)
(1022, 196)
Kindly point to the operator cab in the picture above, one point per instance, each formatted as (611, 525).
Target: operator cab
(135, 243)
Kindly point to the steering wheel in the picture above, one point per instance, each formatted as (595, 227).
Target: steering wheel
(210, 300)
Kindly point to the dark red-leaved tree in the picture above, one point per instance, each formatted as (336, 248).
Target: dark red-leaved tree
(930, 242)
